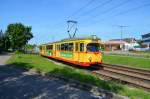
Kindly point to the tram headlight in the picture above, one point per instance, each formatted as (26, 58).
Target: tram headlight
(90, 59)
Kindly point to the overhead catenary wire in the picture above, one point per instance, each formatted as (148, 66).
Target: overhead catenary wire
(132, 9)
(85, 6)
(108, 10)
(76, 12)
(112, 8)
(81, 8)
(94, 9)
(124, 12)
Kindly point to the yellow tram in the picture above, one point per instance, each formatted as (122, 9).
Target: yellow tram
(79, 51)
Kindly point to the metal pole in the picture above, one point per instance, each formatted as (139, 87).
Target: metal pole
(121, 29)
(121, 33)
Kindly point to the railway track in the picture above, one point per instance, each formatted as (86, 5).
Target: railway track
(135, 77)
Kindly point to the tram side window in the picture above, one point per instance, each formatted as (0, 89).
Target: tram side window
(81, 47)
(66, 46)
(49, 47)
(70, 47)
(40, 48)
(62, 47)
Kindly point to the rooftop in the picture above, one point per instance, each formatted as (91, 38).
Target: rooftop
(115, 42)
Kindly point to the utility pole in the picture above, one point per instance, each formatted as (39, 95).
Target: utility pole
(121, 31)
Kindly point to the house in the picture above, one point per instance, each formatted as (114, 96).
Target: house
(121, 44)
(115, 45)
(129, 40)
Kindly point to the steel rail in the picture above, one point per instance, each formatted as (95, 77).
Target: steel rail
(131, 69)
(120, 80)
(128, 72)
(135, 77)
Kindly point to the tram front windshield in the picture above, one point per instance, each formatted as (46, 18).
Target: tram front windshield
(93, 47)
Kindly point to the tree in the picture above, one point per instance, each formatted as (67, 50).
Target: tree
(1, 40)
(6, 41)
(18, 35)
(30, 46)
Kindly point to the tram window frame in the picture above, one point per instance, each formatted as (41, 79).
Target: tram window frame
(59, 47)
(76, 46)
(43, 47)
(70, 46)
(82, 47)
(56, 47)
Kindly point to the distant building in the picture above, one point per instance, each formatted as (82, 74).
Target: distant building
(121, 44)
(146, 40)
(129, 40)
(115, 45)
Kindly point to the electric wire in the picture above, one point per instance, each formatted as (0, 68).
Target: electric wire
(128, 10)
(76, 12)
(81, 9)
(94, 9)
(112, 8)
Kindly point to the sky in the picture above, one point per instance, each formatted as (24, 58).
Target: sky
(48, 18)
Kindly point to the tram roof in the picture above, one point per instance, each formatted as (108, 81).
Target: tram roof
(74, 39)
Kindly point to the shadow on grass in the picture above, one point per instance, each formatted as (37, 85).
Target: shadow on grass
(21, 65)
(88, 78)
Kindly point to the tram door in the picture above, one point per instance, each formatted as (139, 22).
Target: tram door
(81, 50)
(77, 51)
(54, 50)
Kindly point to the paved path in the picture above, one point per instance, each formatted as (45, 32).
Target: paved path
(4, 58)
(18, 84)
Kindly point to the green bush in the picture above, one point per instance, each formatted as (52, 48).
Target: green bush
(19, 52)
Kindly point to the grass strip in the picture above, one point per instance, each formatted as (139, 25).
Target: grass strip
(127, 61)
(141, 52)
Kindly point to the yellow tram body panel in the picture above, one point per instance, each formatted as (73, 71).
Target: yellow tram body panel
(75, 51)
